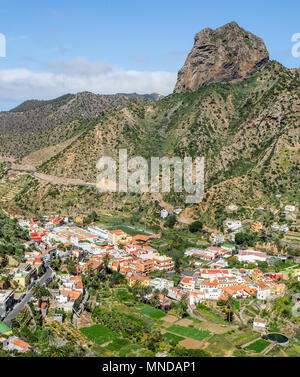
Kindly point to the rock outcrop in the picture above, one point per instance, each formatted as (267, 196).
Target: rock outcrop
(226, 54)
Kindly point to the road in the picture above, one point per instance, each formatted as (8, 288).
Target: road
(16, 310)
(60, 180)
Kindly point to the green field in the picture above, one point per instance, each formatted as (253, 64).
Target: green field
(219, 345)
(238, 338)
(124, 295)
(99, 334)
(150, 311)
(258, 346)
(173, 337)
(252, 309)
(189, 332)
(118, 344)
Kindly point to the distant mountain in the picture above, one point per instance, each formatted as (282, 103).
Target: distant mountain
(154, 96)
(33, 104)
(37, 124)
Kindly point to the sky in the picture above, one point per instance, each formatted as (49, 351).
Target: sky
(110, 46)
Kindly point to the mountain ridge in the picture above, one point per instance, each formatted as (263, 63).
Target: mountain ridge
(223, 55)
(248, 130)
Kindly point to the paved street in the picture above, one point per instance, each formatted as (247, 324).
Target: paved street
(16, 310)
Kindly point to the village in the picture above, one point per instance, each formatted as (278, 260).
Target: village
(63, 255)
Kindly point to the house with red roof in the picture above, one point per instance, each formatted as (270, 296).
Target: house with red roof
(14, 343)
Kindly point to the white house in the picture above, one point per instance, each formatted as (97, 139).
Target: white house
(284, 228)
(232, 207)
(234, 225)
(164, 214)
(290, 209)
(259, 324)
(251, 256)
(101, 232)
(275, 226)
(161, 284)
(15, 344)
(217, 238)
(24, 223)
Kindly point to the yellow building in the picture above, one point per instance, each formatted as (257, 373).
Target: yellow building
(256, 227)
(116, 237)
(139, 279)
(22, 279)
(278, 290)
(257, 275)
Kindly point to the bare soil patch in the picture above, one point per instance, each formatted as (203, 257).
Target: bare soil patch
(170, 319)
(191, 344)
(214, 328)
(185, 322)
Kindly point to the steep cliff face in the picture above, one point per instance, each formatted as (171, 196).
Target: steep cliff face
(226, 54)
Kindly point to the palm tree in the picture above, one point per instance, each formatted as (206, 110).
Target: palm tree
(40, 291)
(106, 262)
(230, 309)
(47, 336)
(37, 292)
(182, 307)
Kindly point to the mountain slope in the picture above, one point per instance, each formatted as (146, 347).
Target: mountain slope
(38, 124)
(248, 130)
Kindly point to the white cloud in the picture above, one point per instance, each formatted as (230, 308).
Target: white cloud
(78, 75)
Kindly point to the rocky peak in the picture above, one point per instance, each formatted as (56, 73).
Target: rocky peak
(222, 55)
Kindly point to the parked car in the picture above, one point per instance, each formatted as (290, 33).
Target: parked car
(48, 281)
(31, 285)
(21, 297)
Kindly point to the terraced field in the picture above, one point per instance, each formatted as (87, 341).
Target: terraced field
(99, 334)
(9, 191)
(258, 346)
(173, 337)
(150, 311)
(189, 332)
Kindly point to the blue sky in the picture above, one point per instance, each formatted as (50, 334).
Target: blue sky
(109, 46)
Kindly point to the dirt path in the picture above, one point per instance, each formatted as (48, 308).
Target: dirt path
(47, 177)
(61, 181)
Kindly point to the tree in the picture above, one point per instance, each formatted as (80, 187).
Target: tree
(47, 336)
(170, 222)
(152, 341)
(91, 218)
(15, 324)
(176, 278)
(196, 226)
(117, 278)
(177, 265)
(40, 291)
(182, 307)
(53, 285)
(245, 239)
(106, 263)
